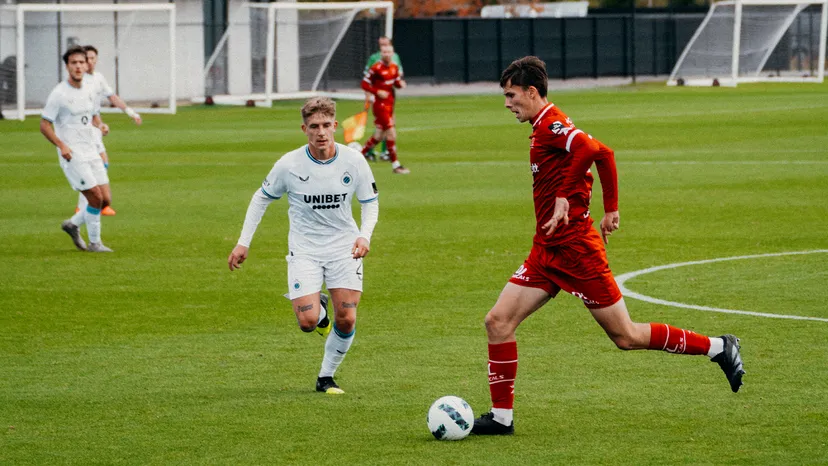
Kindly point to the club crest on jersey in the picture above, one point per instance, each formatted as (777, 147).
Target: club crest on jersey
(347, 179)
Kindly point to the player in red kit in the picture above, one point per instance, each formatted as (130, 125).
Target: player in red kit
(567, 252)
(381, 79)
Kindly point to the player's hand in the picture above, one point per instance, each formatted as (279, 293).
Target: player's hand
(238, 256)
(402, 83)
(559, 216)
(104, 129)
(137, 119)
(383, 94)
(609, 224)
(66, 152)
(360, 248)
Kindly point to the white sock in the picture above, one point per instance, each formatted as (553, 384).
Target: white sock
(79, 217)
(336, 347)
(503, 416)
(93, 224)
(716, 347)
(395, 164)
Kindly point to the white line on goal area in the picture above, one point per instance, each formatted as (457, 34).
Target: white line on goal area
(621, 279)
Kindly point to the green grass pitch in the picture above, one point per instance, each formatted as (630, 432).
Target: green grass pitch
(157, 354)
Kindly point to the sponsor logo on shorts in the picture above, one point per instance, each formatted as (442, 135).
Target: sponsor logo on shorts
(297, 285)
(520, 274)
(583, 298)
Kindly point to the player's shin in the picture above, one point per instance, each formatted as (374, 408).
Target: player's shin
(336, 347)
(677, 340)
(502, 371)
(92, 217)
(392, 149)
(369, 144)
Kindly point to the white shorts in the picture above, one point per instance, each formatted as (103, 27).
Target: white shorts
(84, 174)
(305, 276)
(99, 145)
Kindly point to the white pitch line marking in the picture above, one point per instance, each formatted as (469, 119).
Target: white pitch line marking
(621, 279)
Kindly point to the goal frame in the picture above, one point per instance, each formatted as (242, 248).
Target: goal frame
(20, 11)
(734, 77)
(266, 98)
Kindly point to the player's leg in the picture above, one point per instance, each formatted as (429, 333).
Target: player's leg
(80, 178)
(98, 199)
(629, 335)
(391, 139)
(107, 210)
(367, 149)
(528, 289)
(602, 297)
(304, 291)
(344, 279)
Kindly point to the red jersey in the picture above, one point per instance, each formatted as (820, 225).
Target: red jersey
(561, 156)
(382, 77)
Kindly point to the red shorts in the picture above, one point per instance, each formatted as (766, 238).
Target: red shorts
(384, 114)
(578, 267)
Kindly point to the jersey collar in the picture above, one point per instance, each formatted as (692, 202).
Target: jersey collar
(540, 114)
(322, 162)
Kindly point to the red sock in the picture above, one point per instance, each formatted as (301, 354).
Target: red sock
(392, 149)
(502, 371)
(369, 144)
(676, 340)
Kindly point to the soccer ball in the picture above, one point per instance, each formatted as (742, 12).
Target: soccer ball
(450, 418)
(355, 146)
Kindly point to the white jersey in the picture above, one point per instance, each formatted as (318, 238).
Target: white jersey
(320, 195)
(71, 110)
(101, 87)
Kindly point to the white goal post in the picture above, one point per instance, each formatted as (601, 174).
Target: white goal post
(743, 41)
(285, 50)
(136, 45)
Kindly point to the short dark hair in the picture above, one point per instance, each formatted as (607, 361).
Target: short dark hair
(75, 49)
(525, 72)
(90, 48)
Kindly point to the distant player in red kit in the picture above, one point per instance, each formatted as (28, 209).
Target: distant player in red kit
(567, 252)
(381, 79)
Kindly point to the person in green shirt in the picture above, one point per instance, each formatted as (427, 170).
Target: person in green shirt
(374, 58)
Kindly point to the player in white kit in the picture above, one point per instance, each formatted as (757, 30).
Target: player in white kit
(320, 180)
(68, 122)
(103, 90)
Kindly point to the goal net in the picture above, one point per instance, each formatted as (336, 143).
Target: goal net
(136, 49)
(295, 50)
(756, 41)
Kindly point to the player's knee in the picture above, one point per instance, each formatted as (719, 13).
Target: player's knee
(307, 328)
(346, 324)
(622, 342)
(496, 324)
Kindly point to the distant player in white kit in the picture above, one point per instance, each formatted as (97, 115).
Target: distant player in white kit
(103, 89)
(68, 121)
(324, 243)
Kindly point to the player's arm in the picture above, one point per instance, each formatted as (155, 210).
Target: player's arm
(370, 214)
(367, 82)
(118, 102)
(255, 212)
(585, 151)
(97, 122)
(47, 129)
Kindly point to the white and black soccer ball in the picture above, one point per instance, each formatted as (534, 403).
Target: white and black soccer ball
(355, 146)
(450, 418)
